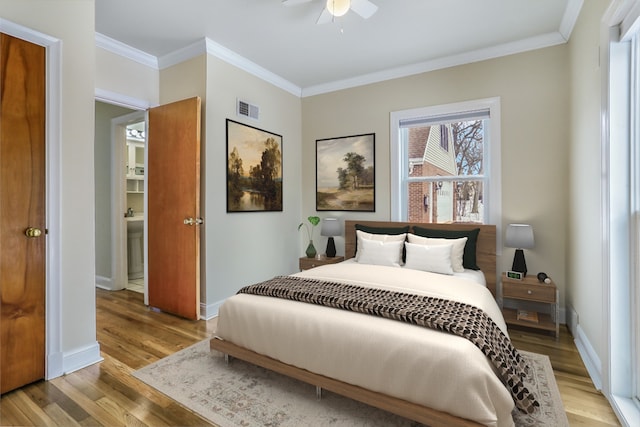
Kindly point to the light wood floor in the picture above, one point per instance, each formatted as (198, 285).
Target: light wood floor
(132, 336)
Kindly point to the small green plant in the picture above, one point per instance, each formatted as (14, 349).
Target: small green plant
(314, 220)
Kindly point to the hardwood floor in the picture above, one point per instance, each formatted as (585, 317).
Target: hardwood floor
(132, 336)
(584, 405)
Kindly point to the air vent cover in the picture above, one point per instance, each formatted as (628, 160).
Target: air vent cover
(245, 109)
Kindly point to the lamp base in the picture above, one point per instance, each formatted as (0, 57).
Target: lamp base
(519, 263)
(331, 248)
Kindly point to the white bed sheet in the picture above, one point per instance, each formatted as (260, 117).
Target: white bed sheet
(476, 276)
(420, 365)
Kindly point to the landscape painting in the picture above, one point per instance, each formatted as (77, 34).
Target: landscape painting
(345, 173)
(254, 169)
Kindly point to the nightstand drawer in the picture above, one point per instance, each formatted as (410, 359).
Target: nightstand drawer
(543, 293)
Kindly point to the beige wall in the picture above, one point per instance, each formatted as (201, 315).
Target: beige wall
(242, 248)
(72, 22)
(584, 220)
(116, 74)
(533, 88)
(239, 248)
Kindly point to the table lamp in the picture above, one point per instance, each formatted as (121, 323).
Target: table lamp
(331, 227)
(519, 236)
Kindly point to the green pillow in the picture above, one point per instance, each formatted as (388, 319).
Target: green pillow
(469, 255)
(383, 230)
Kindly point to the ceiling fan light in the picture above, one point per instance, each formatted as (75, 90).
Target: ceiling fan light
(338, 7)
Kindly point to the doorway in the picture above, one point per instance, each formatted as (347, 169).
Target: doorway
(135, 202)
(119, 176)
(175, 158)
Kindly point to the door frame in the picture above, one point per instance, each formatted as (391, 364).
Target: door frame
(54, 357)
(119, 269)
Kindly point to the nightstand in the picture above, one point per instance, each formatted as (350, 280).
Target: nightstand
(307, 263)
(529, 289)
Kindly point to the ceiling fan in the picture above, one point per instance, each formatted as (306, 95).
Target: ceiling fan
(337, 8)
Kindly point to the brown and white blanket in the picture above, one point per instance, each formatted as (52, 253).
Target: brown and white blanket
(445, 315)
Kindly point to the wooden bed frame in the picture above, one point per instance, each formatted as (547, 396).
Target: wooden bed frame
(486, 259)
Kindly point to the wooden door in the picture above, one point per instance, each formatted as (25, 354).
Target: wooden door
(22, 208)
(173, 208)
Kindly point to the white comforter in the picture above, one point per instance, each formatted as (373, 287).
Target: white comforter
(420, 365)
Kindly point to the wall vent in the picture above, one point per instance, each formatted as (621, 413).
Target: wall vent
(245, 109)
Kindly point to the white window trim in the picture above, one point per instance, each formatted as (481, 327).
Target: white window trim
(493, 164)
(619, 24)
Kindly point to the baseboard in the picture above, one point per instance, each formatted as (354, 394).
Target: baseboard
(81, 358)
(589, 357)
(209, 311)
(55, 365)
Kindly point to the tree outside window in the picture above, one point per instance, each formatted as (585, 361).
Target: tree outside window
(446, 181)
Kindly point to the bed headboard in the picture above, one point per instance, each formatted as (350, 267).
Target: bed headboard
(485, 247)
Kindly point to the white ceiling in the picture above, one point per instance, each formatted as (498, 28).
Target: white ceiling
(403, 37)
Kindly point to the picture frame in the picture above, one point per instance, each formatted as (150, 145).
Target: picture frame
(345, 173)
(254, 169)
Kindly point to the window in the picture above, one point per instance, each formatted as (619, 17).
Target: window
(635, 208)
(621, 211)
(445, 163)
(444, 137)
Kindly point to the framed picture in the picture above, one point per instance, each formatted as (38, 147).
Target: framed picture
(345, 173)
(254, 169)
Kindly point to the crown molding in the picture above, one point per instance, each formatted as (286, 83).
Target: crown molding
(183, 54)
(126, 51)
(250, 67)
(210, 47)
(570, 17)
(533, 43)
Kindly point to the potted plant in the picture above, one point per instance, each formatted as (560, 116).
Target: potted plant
(313, 220)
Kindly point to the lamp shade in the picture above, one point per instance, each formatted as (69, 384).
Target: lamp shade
(519, 236)
(338, 7)
(331, 227)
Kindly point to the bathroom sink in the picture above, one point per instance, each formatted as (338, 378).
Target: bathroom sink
(135, 223)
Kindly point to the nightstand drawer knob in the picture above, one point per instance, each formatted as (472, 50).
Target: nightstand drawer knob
(529, 292)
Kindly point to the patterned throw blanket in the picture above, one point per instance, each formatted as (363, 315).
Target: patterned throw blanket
(454, 317)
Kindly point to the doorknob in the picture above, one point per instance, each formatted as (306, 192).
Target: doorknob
(193, 221)
(32, 232)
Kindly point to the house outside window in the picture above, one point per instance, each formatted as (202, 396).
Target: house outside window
(446, 164)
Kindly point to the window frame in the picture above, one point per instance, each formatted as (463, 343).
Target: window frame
(493, 175)
(620, 102)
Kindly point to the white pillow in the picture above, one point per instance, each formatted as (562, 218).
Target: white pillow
(361, 235)
(433, 258)
(457, 251)
(380, 253)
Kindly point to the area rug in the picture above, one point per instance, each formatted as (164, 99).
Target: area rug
(241, 394)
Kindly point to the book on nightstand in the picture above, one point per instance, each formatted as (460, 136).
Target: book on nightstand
(528, 316)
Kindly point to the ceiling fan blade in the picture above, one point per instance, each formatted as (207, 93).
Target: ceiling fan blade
(294, 2)
(363, 8)
(325, 17)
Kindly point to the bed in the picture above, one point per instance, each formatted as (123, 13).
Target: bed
(373, 359)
